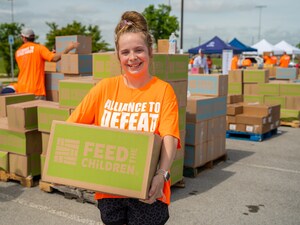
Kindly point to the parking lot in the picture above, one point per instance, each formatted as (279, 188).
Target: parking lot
(257, 184)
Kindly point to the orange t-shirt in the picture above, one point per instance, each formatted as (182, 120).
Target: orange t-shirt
(234, 63)
(31, 59)
(246, 62)
(152, 108)
(284, 61)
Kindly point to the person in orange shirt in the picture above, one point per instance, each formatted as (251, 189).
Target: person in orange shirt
(234, 62)
(268, 60)
(273, 59)
(31, 59)
(148, 105)
(246, 63)
(284, 60)
(209, 63)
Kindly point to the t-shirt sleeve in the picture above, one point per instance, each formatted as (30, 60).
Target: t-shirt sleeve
(169, 121)
(46, 53)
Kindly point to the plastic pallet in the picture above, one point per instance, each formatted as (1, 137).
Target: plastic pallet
(249, 136)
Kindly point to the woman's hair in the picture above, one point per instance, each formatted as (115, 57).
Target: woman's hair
(133, 22)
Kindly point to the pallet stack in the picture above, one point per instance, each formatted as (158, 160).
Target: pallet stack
(20, 141)
(206, 121)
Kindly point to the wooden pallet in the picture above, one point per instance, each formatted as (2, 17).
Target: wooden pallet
(250, 136)
(194, 172)
(69, 192)
(294, 123)
(24, 181)
(179, 184)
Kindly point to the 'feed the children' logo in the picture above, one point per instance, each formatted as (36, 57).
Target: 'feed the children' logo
(96, 156)
(66, 151)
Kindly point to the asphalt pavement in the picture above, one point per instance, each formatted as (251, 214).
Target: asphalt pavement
(259, 183)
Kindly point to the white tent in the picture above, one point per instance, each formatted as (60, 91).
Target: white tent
(289, 49)
(264, 46)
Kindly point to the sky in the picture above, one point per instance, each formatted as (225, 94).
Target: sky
(202, 19)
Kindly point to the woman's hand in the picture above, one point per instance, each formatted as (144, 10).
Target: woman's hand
(156, 189)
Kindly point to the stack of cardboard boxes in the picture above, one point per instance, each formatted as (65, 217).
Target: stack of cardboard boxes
(20, 141)
(205, 119)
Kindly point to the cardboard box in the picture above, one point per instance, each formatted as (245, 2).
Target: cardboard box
(258, 99)
(235, 76)
(23, 116)
(235, 88)
(196, 133)
(286, 73)
(52, 80)
(85, 46)
(4, 161)
(275, 100)
(250, 89)
(180, 89)
(268, 89)
(8, 99)
(195, 156)
(197, 70)
(205, 107)
(47, 113)
(106, 65)
(19, 142)
(256, 76)
(76, 64)
(45, 142)
(176, 170)
(234, 109)
(292, 89)
(231, 99)
(102, 159)
(216, 127)
(25, 165)
(257, 128)
(52, 96)
(251, 119)
(163, 45)
(72, 91)
(50, 66)
(182, 117)
(292, 102)
(211, 85)
(289, 114)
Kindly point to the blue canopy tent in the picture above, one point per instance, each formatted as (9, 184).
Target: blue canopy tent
(237, 44)
(214, 46)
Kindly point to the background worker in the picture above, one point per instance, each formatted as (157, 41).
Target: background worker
(31, 59)
(201, 62)
(234, 62)
(209, 63)
(284, 60)
(246, 63)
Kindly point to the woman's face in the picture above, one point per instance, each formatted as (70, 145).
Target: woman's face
(134, 54)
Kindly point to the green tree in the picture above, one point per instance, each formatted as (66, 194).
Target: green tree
(298, 45)
(76, 28)
(7, 29)
(160, 23)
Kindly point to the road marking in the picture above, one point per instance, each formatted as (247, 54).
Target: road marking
(265, 167)
(50, 210)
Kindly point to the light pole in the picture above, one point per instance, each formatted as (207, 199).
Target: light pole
(181, 27)
(260, 7)
(12, 10)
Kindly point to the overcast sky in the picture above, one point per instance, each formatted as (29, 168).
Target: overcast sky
(202, 19)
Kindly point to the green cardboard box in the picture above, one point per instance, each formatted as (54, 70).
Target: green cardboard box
(102, 159)
(72, 91)
(8, 99)
(19, 142)
(4, 161)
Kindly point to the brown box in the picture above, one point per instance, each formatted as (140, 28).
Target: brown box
(231, 99)
(25, 165)
(235, 76)
(234, 109)
(258, 128)
(250, 89)
(50, 66)
(195, 156)
(180, 89)
(85, 43)
(8, 99)
(23, 116)
(250, 119)
(196, 133)
(163, 46)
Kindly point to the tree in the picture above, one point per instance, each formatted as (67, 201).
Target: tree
(76, 28)
(7, 29)
(160, 23)
(298, 45)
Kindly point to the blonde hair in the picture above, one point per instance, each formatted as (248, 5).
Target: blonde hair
(133, 22)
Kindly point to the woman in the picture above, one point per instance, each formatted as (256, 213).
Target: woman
(159, 115)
